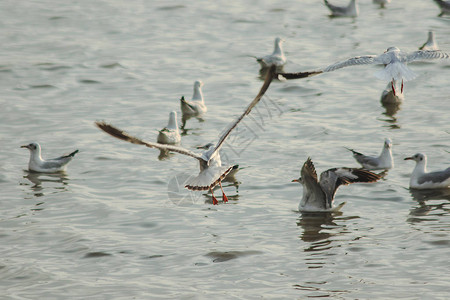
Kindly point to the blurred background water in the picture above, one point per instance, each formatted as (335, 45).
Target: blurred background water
(114, 226)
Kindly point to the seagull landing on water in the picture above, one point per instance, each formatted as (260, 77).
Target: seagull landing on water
(319, 195)
(383, 162)
(170, 134)
(351, 10)
(38, 164)
(196, 106)
(382, 3)
(421, 179)
(430, 44)
(277, 58)
(212, 172)
(445, 7)
(394, 61)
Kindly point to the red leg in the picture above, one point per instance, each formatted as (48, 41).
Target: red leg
(224, 197)
(402, 86)
(215, 202)
(393, 88)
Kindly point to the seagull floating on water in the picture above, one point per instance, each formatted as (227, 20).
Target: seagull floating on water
(383, 162)
(351, 10)
(388, 97)
(197, 105)
(382, 3)
(422, 179)
(277, 58)
(170, 134)
(445, 7)
(38, 164)
(212, 172)
(394, 61)
(319, 195)
(430, 44)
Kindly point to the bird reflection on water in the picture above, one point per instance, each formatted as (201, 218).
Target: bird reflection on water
(40, 181)
(426, 203)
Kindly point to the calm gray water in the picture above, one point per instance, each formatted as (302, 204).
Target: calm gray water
(115, 225)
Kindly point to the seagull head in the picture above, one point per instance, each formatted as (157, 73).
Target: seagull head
(198, 84)
(388, 143)
(390, 49)
(32, 146)
(418, 157)
(206, 147)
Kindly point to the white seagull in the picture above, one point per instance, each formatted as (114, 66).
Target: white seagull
(394, 61)
(422, 179)
(170, 134)
(430, 44)
(383, 162)
(445, 7)
(382, 3)
(212, 172)
(38, 164)
(277, 58)
(196, 106)
(351, 10)
(319, 195)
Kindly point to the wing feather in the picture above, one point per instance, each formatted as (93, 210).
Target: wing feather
(358, 60)
(117, 133)
(425, 54)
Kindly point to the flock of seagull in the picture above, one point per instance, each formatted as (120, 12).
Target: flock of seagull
(318, 192)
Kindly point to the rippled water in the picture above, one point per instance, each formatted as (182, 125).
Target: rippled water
(115, 226)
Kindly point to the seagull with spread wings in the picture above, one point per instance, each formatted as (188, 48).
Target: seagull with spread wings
(212, 172)
(394, 61)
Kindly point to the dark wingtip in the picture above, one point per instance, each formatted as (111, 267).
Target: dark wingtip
(73, 153)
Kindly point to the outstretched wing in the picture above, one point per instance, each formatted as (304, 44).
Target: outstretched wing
(331, 179)
(313, 190)
(425, 54)
(297, 75)
(270, 75)
(117, 133)
(358, 60)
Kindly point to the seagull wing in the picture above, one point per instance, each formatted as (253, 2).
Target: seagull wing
(358, 60)
(297, 75)
(311, 185)
(331, 179)
(435, 177)
(270, 75)
(424, 55)
(117, 133)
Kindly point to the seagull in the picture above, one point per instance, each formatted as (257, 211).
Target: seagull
(38, 164)
(351, 10)
(388, 97)
(277, 58)
(319, 195)
(422, 179)
(212, 172)
(296, 75)
(430, 44)
(382, 2)
(394, 61)
(170, 134)
(383, 162)
(197, 105)
(445, 7)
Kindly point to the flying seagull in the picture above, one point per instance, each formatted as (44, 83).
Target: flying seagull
(351, 10)
(212, 172)
(38, 164)
(394, 61)
(422, 179)
(318, 195)
(383, 162)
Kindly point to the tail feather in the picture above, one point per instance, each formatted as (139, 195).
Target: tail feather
(72, 154)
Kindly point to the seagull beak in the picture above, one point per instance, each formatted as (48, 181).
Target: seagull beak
(295, 180)
(408, 158)
(24, 146)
